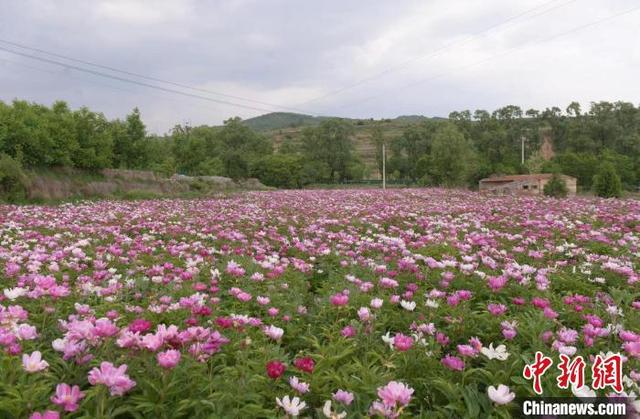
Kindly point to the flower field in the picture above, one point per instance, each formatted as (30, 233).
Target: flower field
(311, 303)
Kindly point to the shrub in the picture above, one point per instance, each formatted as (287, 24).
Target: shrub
(556, 187)
(607, 183)
(13, 181)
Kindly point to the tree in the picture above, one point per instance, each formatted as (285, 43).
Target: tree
(452, 158)
(13, 180)
(330, 143)
(279, 170)
(556, 187)
(377, 136)
(606, 183)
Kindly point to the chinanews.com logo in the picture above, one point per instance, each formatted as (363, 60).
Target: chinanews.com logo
(606, 375)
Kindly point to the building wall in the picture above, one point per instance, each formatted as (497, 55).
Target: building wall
(529, 187)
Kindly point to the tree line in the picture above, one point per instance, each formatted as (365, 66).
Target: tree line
(457, 151)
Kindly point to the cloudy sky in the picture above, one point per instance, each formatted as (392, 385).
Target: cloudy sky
(332, 57)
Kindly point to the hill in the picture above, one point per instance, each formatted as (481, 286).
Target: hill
(362, 139)
(279, 120)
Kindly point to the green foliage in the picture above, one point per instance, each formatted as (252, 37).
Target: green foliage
(330, 143)
(279, 170)
(556, 187)
(13, 180)
(452, 160)
(456, 152)
(606, 183)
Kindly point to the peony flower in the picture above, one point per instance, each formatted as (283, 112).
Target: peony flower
(305, 364)
(500, 395)
(34, 362)
(342, 396)
(67, 397)
(113, 377)
(273, 332)
(500, 353)
(583, 392)
(395, 392)
(168, 359)
(453, 363)
(275, 369)
(15, 293)
(376, 303)
(328, 413)
(339, 299)
(298, 385)
(293, 406)
(49, 414)
(408, 305)
(402, 342)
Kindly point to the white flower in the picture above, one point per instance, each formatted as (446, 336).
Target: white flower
(432, 303)
(500, 395)
(583, 392)
(376, 303)
(500, 353)
(291, 406)
(274, 332)
(329, 414)
(388, 339)
(13, 293)
(567, 350)
(615, 311)
(408, 305)
(298, 385)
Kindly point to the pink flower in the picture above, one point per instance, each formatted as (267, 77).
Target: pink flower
(67, 397)
(402, 342)
(115, 378)
(467, 350)
(364, 314)
(550, 313)
(298, 385)
(305, 364)
(274, 332)
(348, 331)
(34, 362)
(275, 369)
(497, 309)
(339, 299)
(49, 414)
(395, 393)
(453, 363)
(632, 348)
(26, 332)
(140, 325)
(344, 397)
(104, 328)
(168, 359)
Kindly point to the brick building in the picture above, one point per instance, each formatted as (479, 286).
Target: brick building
(532, 184)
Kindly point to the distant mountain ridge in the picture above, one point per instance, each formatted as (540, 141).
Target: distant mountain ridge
(282, 120)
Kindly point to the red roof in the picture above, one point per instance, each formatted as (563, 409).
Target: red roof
(514, 178)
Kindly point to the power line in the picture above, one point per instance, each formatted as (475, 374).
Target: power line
(88, 80)
(139, 83)
(144, 77)
(440, 50)
(490, 58)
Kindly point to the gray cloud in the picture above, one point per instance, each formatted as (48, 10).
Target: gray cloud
(289, 52)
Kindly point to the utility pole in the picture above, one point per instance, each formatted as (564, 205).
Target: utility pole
(384, 168)
(522, 140)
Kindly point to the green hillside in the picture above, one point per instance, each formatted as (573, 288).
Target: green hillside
(362, 140)
(279, 120)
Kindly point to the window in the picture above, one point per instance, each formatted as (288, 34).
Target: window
(525, 186)
(535, 186)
